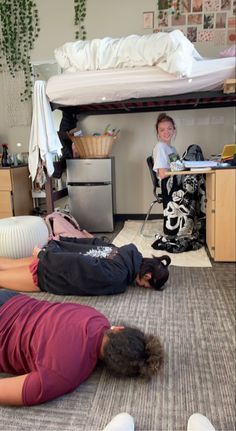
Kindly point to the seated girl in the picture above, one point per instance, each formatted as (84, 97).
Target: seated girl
(183, 195)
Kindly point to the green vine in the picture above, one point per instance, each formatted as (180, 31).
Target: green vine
(172, 6)
(80, 14)
(19, 28)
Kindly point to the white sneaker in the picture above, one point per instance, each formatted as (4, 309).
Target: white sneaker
(121, 422)
(198, 422)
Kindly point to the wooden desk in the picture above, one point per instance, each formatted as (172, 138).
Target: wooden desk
(189, 172)
(220, 212)
(15, 192)
(221, 215)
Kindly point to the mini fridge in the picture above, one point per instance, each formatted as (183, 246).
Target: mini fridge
(90, 190)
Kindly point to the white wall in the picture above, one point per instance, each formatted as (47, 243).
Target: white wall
(209, 128)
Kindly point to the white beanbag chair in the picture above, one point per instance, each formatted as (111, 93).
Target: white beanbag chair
(19, 235)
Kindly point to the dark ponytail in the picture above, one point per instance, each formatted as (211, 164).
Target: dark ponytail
(165, 259)
(158, 266)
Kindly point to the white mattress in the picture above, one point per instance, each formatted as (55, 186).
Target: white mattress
(82, 88)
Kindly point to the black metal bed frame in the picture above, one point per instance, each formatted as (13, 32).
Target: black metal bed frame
(196, 100)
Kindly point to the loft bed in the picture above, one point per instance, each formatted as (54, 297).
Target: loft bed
(140, 89)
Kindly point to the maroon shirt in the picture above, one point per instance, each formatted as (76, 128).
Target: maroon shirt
(58, 344)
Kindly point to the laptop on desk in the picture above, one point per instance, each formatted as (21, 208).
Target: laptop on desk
(228, 152)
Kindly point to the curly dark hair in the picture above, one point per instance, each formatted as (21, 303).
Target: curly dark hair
(158, 266)
(164, 117)
(129, 352)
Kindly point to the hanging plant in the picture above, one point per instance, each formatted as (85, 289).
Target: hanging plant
(172, 7)
(175, 8)
(80, 14)
(19, 28)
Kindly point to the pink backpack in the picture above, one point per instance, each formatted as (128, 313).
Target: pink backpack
(61, 223)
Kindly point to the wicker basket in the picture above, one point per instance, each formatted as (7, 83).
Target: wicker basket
(93, 147)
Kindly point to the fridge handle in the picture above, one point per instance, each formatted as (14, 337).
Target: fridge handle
(89, 184)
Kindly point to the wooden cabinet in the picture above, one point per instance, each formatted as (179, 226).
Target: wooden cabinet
(15, 192)
(221, 215)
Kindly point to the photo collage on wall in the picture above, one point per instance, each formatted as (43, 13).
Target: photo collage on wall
(200, 20)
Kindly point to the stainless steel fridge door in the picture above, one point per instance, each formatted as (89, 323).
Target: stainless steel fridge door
(92, 206)
(89, 170)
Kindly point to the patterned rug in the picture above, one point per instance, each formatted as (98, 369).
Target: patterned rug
(131, 233)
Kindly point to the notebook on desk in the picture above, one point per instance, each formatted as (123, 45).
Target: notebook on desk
(200, 164)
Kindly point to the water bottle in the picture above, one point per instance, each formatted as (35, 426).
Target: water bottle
(5, 161)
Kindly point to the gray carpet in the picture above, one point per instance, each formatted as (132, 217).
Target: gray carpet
(195, 318)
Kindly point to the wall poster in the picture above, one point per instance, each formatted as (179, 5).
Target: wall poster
(200, 20)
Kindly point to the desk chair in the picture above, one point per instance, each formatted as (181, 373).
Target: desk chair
(156, 185)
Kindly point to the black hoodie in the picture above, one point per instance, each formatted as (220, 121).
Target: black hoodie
(87, 266)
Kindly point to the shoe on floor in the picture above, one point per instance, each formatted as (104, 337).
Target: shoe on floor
(121, 422)
(198, 422)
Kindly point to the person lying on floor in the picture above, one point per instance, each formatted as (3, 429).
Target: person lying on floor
(52, 347)
(83, 266)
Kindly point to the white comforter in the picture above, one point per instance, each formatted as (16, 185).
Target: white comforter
(172, 52)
